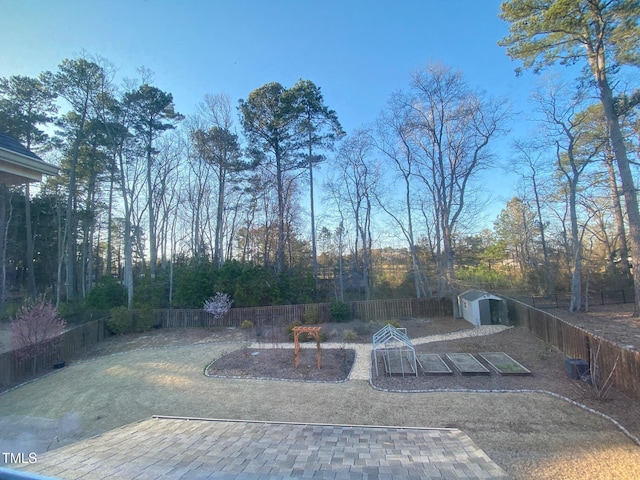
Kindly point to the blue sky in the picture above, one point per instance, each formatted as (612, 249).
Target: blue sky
(358, 52)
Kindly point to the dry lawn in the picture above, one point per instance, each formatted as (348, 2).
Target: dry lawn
(530, 435)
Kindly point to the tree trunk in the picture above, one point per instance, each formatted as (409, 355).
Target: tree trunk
(70, 226)
(421, 287)
(597, 63)
(128, 248)
(31, 276)
(449, 272)
(281, 207)
(108, 266)
(218, 257)
(4, 222)
(61, 250)
(543, 241)
(619, 217)
(314, 253)
(576, 275)
(153, 252)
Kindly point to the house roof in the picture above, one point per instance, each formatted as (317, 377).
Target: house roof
(19, 165)
(472, 295)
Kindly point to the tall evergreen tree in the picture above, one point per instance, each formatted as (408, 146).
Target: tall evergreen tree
(79, 82)
(321, 128)
(270, 118)
(603, 36)
(26, 104)
(153, 113)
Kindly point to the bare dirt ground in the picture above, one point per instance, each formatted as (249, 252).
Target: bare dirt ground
(612, 322)
(531, 435)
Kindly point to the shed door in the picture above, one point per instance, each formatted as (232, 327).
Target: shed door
(485, 311)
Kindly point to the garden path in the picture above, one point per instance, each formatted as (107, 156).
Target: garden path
(362, 365)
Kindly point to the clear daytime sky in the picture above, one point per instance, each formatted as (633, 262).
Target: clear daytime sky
(357, 51)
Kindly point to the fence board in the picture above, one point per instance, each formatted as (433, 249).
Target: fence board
(576, 342)
(15, 366)
(283, 315)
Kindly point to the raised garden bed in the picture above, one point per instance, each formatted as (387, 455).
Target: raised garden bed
(432, 364)
(504, 364)
(467, 364)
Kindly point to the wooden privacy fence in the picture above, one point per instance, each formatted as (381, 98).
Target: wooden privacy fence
(372, 311)
(17, 365)
(604, 356)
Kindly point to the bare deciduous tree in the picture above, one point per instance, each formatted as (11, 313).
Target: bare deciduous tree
(452, 126)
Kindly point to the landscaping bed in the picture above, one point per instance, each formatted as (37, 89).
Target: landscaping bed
(278, 363)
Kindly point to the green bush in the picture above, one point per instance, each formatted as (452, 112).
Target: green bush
(311, 314)
(121, 321)
(107, 294)
(9, 309)
(144, 319)
(246, 325)
(193, 285)
(340, 312)
(152, 291)
(349, 335)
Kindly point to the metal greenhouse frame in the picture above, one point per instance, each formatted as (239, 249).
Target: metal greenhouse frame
(396, 347)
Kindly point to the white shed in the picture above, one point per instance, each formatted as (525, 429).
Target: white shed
(482, 308)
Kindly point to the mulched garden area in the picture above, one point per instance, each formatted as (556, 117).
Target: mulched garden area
(278, 363)
(546, 364)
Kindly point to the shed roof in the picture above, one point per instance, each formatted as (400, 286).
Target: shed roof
(20, 165)
(472, 295)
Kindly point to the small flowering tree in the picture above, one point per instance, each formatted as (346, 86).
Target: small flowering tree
(36, 329)
(218, 305)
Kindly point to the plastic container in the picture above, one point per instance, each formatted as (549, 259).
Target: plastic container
(576, 368)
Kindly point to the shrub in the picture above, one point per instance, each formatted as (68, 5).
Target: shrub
(340, 312)
(194, 284)
(349, 335)
(311, 315)
(108, 293)
(121, 321)
(246, 325)
(394, 324)
(144, 319)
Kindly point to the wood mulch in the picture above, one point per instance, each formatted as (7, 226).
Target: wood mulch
(278, 363)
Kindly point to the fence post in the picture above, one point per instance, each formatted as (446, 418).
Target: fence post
(624, 300)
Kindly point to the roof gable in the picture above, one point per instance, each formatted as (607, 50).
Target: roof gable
(471, 295)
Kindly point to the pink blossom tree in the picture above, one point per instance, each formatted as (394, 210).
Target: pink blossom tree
(36, 329)
(218, 305)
